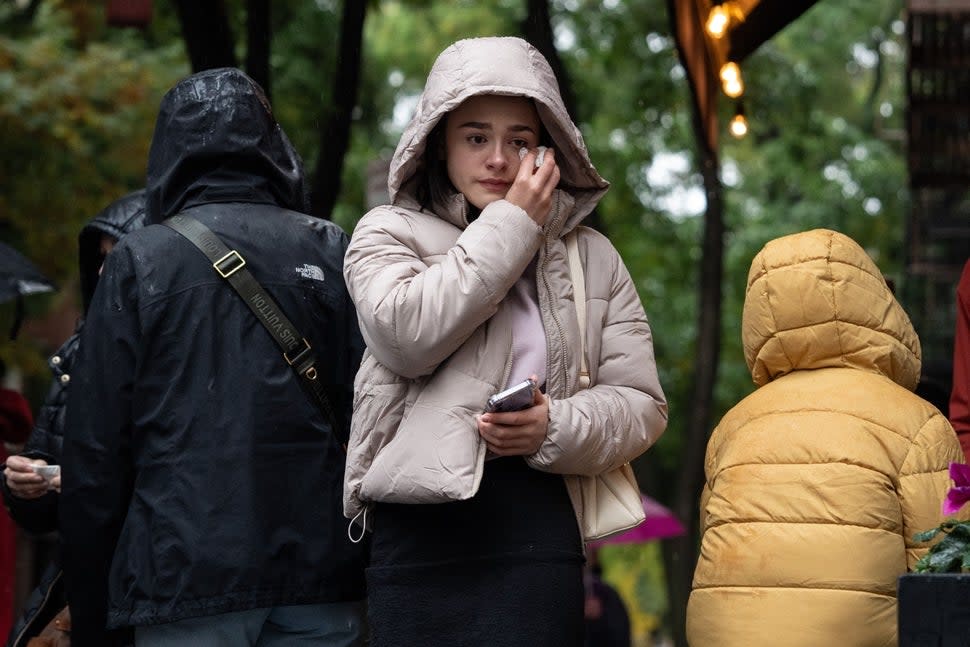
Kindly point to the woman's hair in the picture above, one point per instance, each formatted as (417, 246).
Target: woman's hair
(434, 187)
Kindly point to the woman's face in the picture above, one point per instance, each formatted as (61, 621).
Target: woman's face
(482, 140)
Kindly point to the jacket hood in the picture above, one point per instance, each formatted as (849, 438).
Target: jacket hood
(816, 300)
(216, 140)
(504, 66)
(121, 217)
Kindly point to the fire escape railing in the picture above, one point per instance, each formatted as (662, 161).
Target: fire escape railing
(938, 124)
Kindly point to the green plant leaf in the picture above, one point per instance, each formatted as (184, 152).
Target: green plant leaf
(926, 535)
(947, 556)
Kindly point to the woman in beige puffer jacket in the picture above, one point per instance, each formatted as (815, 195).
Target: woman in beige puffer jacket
(462, 288)
(817, 481)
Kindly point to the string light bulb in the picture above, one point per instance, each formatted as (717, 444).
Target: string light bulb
(739, 123)
(731, 81)
(727, 15)
(717, 21)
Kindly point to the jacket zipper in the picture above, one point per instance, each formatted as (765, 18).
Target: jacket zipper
(552, 311)
(507, 371)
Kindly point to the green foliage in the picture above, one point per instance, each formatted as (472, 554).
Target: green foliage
(75, 125)
(402, 40)
(949, 555)
(302, 62)
(636, 572)
(77, 107)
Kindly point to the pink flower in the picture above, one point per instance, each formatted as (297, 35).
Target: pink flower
(959, 494)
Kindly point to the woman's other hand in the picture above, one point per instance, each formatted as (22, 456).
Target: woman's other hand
(23, 481)
(516, 433)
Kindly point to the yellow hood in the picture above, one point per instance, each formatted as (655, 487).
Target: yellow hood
(816, 300)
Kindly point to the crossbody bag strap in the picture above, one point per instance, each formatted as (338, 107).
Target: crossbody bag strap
(231, 266)
(579, 297)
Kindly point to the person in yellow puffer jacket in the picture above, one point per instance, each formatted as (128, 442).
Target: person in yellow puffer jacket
(818, 480)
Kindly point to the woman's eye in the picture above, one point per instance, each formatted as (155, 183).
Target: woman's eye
(476, 139)
(520, 143)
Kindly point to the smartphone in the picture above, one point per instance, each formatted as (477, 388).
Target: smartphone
(514, 398)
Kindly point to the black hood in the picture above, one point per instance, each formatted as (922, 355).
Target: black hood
(216, 141)
(122, 216)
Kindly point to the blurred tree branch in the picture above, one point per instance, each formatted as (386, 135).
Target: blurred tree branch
(537, 29)
(208, 37)
(335, 122)
(258, 39)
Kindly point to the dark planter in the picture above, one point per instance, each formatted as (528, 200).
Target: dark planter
(934, 610)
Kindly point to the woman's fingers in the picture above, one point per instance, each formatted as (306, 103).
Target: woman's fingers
(505, 442)
(23, 464)
(22, 480)
(533, 187)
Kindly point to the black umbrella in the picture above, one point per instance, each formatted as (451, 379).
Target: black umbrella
(18, 278)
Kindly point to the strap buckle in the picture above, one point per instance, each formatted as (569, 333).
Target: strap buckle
(310, 372)
(232, 262)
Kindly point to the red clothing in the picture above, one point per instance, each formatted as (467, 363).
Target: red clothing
(8, 565)
(960, 396)
(16, 421)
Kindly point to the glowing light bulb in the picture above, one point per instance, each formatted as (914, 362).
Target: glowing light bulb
(717, 21)
(738, 126)
(730, 72)
(731, 81)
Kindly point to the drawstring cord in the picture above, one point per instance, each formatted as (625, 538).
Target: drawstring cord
(363, 526)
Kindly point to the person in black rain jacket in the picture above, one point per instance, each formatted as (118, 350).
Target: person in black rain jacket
(201, 499)
(32, 500)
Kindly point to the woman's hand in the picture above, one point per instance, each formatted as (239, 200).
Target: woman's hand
(532, 188)
(23, 481)
(516, 433)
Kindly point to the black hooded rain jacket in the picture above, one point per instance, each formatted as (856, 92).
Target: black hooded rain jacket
(201, 478)
(40, 515)
(117, 219)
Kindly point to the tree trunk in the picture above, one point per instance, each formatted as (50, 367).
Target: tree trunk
(537, 29)
(336, 119)
(680, 553)
(258, 39)
(208, 38)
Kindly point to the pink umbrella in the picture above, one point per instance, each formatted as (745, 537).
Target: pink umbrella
(659, 524)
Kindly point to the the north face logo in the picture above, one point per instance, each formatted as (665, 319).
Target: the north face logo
(308, 271)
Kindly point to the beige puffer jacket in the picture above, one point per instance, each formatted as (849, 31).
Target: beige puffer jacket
(817, 481)
(429, 290)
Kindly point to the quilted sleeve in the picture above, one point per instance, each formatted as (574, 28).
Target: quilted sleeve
(924, 480)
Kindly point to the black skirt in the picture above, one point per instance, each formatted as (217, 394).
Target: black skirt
(503, 568)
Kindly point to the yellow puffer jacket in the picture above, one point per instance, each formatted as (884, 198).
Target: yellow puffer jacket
(817, 481)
